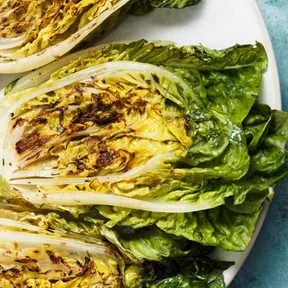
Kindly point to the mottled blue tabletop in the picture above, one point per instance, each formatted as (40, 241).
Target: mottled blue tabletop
(267, 264)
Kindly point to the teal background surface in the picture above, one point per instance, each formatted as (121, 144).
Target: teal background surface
(267, 264)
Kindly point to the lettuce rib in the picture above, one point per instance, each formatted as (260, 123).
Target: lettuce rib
(51, 198)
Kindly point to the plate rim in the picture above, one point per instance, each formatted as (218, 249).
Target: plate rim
(232, 272)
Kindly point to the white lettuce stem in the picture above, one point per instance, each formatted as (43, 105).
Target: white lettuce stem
(19, 225)
(152, 164)
(8, 43)
(28, 239)
(74, 198)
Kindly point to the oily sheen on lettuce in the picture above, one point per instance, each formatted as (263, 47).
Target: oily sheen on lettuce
(148, 135)
(34, 33)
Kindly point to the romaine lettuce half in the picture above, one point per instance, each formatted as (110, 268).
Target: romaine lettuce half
(45, 250)
(34, 33)
(34, 257)
(148, 135)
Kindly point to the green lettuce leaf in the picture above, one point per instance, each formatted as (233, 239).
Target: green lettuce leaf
(173, 4)
(155, 245)
(213, 227)
(141, 7)
(256, 125)
(200, 273)
(271, 155)
(181, 272)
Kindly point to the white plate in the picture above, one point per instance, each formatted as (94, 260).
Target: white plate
(215, 24)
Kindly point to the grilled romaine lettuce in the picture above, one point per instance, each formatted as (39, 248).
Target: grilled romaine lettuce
(45, 250)
(34, 257)
(148, 134)
(34, 33)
